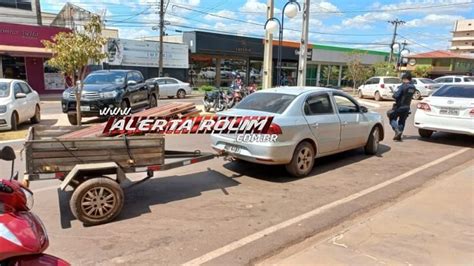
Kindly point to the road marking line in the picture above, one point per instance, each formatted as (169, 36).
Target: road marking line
(374, 105)
(248, 239)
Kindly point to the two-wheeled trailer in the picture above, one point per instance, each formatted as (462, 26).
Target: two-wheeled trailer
(96, 168)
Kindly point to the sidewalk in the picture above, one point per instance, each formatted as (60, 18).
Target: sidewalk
(433, 226)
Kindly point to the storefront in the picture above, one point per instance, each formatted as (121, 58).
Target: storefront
(23, 56)
(216, 58)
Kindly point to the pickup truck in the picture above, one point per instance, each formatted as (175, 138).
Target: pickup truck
(124, 90)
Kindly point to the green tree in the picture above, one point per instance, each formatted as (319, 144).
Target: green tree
(73, 51)
(422, 71)
(356, 71)
(384, 69)
(330, 72)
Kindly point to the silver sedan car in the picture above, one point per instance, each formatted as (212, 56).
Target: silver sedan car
(314, 122)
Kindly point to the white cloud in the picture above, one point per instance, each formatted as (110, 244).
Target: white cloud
(420, 6)
(220, 15)
(433, 20)
(367, 20)
(254, 6)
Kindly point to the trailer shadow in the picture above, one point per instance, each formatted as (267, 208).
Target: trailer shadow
(138, 199)
(278, 173)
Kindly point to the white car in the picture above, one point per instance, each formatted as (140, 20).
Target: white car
(18, 103)
(379, 88)
(446, 80)
(424, 87)
(449, 109)
(171, 87)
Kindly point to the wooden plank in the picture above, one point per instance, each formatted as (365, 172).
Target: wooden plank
(95, 144)
(84, 153)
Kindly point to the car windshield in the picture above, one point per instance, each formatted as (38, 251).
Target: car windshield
(4, 89)
(469, 79)
(427, 81)
(455, 92)
(392, 81)
(266, 102)
(105, 78)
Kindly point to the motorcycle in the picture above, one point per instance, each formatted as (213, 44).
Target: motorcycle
(216, 99)
(23, 237)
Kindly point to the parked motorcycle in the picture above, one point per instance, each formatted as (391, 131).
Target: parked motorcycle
(23, 238)
(216, 100)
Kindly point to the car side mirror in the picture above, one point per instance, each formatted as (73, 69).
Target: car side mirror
(20, 95)
(364, 109)
(131, 83)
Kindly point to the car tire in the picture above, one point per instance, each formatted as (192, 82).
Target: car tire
(372, 145)
(303, 160)
(377, 96)
(360, 94)
(37, 117)
(72, 119)
(181, 94)
(96, 201)
(152, 102)
(425, 133)
(417, 95)
(14, 121)
(207, 108)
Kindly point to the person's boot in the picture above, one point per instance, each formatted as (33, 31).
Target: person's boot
(398, 135)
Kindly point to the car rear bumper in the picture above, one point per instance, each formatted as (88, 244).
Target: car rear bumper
(444, 123)
(5, 119)
(270, 153)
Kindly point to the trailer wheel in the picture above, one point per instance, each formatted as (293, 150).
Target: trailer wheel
(96, 201)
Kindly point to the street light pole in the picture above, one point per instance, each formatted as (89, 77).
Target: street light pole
(268, 51)
(304, 46)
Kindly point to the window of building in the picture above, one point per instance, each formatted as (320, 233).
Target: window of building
(19, 4)
(14, 67)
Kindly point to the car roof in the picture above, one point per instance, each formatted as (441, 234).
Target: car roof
(10, 80)
(296, 90)
(454, 76)
(113, 70)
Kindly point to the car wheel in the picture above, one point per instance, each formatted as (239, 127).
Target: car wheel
(372, 145)
(417, 95)
(37, 117)
(207, 108)
(97, 200)
(361, 96)
(377, 96)
(181, 94)
(14, 121)
(72, 119)
(303, 160)
(425, 133)
(152, 102)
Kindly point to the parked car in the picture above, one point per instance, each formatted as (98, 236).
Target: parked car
(110, 88)
(449, 109)
(171, 87)
(444, 80)
(313, 122)
(18, 103)
(424, 87)
(379, 88)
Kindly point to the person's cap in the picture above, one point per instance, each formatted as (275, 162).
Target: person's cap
(406, 76)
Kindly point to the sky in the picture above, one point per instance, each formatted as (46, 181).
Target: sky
(360, 23)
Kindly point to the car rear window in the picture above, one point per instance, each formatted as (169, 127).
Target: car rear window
(455, 92)
(4, 89)
(392, 81)
(266, 102)
(427, 81)
(468, 79)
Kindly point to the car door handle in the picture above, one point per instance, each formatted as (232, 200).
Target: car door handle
(344, 123)
(315, 125)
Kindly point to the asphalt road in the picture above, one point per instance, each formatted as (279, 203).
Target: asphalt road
(206, 212)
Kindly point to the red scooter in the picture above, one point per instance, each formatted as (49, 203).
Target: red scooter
(23, 237)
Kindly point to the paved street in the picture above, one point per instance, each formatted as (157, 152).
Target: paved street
(206, 212)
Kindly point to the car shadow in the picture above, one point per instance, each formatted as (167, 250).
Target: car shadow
(444, 138)
(278, 173)
(161, 190)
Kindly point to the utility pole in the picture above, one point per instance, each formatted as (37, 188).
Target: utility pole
(395, 23)
(268, 52)
(304, 46)
(162, 32)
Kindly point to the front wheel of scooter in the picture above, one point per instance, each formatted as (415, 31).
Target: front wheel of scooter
(96, 201)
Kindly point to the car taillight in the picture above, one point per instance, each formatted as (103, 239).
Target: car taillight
(382, 85)
(274, 129)
(424, 106)
(471, 113)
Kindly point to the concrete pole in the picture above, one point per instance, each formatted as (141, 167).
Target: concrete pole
(268, 52)
(304, 46)
(162, 32)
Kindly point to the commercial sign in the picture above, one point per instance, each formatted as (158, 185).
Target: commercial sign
(146, 53)
(26, 35)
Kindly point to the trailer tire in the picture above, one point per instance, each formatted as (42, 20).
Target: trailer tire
(96, 201)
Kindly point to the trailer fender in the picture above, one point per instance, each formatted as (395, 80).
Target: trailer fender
(99, 168)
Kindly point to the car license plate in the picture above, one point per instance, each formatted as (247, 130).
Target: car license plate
(449, 111)
(85, 108)
(232, 148)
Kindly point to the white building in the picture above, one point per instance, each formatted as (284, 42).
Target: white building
(463, 36)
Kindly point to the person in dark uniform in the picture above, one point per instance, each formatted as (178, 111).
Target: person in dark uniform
(401, 108)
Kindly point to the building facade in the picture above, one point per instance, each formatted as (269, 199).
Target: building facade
(442, 63)
(463, 36)
(20, 12)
